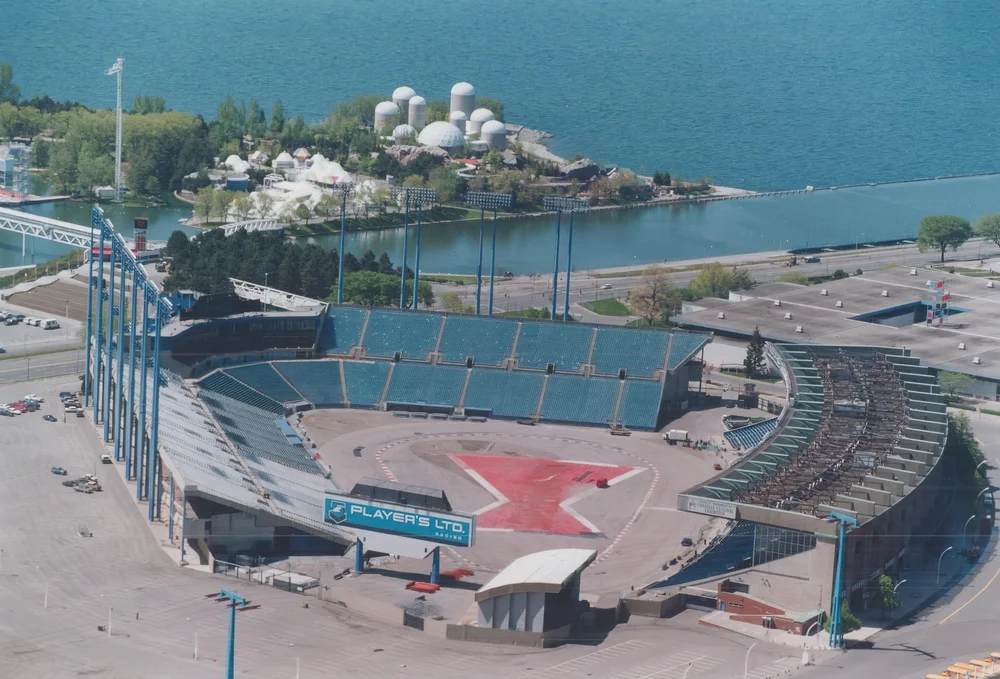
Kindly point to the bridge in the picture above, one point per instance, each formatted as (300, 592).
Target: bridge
(42, 227)
(252, 225)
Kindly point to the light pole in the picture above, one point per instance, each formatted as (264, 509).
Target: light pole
(938, 580)
(236, 603)
(690, 665)
(978, 466)
(561, 204)
(263, 297)
(344, 189)
(419, 196)
(965, 530)
(487, 201)
(897, 585)
(746, 661)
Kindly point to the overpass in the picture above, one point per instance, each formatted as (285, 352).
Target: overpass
(42, 227)
(252, 225)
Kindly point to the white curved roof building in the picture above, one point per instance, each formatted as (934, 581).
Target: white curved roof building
(463, 98)
(417, 112)
(384, 113)
(442, 134)
(463, 89)
(459, 120)
(236, 164)
(476, 120)
(494, 133)
(404, 131)
(401, 96)
(284, 161)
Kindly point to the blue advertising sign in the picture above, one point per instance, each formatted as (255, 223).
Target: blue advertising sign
(384, 517)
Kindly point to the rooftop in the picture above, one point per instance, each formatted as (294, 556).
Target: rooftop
(546, 572)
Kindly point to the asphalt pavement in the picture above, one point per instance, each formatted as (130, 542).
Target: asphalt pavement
(55, 364)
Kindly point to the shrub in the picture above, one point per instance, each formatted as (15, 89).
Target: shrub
(839, 274)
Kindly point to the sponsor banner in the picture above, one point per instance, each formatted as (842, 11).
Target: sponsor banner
(699, 505)
(383, 517)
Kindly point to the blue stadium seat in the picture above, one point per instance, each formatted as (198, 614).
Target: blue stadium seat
(341, 329)
(222, 383)
(317, 381)
(685, 344)
(489, 340)
(264, 378)
(578, 399)
(506, 394)
(365, 381)
(750, 436)
(637, 350)
(567, 345)
(425, 383)
(413, 334)
(640, 404)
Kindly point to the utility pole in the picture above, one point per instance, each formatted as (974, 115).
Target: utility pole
(117, 70)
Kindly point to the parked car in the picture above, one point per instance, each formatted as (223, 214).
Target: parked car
(106, 459)
(2, 350)
(606, 286)
(988, 498)
(811, 260)
(59, 471)
(73, 409)
(49, 324)
(35, 397)
(687, 542)
(717, 467)
(11, 321)
(66, 394)
(49, 418)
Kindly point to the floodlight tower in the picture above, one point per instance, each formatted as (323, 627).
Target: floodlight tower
(571, 205)
(344, 189)
(117, 70)
(484, 201)
(415, 196)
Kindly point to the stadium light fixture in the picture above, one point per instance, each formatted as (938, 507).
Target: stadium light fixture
(559, 205)
(344, 189)
(485, 200)
(236, 603)
(412, 195)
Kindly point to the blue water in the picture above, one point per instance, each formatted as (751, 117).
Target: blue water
(767, 94)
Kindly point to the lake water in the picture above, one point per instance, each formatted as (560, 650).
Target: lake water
(769, 94)
(629, 237)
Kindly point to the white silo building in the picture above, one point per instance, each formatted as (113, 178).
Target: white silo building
(385, 114)
(401, 96)
(417, 112)
(403, 132)
(459, 119)
(476, 120)
(494, 133)
(442, 134)
(463, 98)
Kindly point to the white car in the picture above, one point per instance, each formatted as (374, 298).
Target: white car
(35, 397)
(606, 286)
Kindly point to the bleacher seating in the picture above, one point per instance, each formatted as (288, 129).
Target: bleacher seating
(264, 378)
(317, 381)
(488, 340)
(683, 345)
(578, 399)
(425, 383)
(750, 436)
(505, 393)
(253, 431)
(640, 403)
(414, 335)
(728, 554)
(639, 351)
(567, 345)
(341, 329)
(365, 381)
(222, 383)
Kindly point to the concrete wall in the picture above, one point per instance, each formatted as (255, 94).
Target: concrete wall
(736, 602)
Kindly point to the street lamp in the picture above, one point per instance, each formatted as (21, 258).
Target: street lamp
(236, 603)
(746, 661)
(937, 581)
(965, 530)
(485, 200)
(419, 196)
(263, 297)
(571, 205)
(344, 189)
(978, 466)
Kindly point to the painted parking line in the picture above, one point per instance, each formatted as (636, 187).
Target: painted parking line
(672, 666)
(585, 661)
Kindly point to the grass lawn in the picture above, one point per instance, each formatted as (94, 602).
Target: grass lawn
(607, 307)
(461, 280)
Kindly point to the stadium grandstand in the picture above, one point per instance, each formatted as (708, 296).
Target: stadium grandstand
(859, 444)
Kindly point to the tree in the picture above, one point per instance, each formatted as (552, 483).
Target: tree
(277, 117)
(742, 278)
(364, 287)
(839, 274)
(884, 597)
(446, 182)
(9, 92)
(40, 153)
(651, 300)
(713, 281)
(661, 178)
(943, 232)
(325, 207)
(368, 262)
(452, 301)
(494, 105)
(264, 204)
(242, 207)
(143, 104)
(754, 365)
(289, 271)
(177, 245)
(303, 212)
(953, 383)
(385, 264)
(222, 200)
(988, 227)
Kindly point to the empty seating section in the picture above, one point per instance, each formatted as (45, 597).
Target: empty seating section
(750, 437)
(640, 352)
(683, 345)
(574, 398)
(253, 431)
(266, 380)
(342, 329)
(317, 381)
(565, 345)
(640, 404)
(506, 394)
(414, 335)
(489, 341)
(425, 383)
(728, 554)
(365, 381)
(223, 384)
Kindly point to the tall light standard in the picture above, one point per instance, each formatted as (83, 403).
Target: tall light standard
(236, 603)
(746, 661)
(937, 581)
(561, 204)
(965, 530)
(116, 69)
(344, 189)
(418, 196)
(487, 201)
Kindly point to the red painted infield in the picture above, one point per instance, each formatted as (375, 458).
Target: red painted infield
(533, 489)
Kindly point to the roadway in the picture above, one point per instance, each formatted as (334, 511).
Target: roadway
(14, 368)
(765, 267)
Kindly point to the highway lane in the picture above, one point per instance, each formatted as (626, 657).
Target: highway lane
(23, 369)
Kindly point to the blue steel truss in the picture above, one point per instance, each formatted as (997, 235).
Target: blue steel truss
(133, 440)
